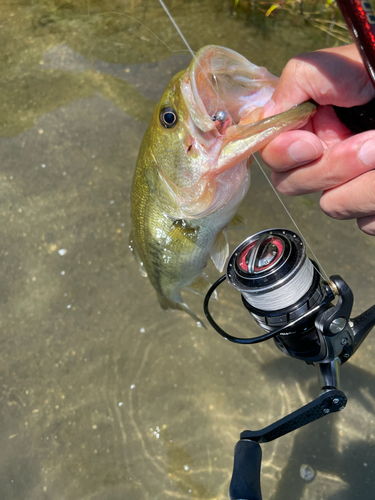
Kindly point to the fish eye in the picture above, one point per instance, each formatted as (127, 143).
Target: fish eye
(168, 117)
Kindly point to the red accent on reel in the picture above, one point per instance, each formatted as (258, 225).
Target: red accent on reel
(243, 260)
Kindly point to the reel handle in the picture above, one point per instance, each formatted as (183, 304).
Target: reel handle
(245, 483)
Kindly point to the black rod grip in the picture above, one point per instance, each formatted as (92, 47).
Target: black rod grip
(360, 20)
(245, 483)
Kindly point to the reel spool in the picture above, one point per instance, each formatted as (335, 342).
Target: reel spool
(281, 288)
(279, 284)
(274, 275)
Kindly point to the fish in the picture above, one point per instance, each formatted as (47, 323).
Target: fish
(192, 170)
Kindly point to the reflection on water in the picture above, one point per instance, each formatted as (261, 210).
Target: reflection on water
(105, 396)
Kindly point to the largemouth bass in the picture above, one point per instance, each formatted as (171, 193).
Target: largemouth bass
(193, 168)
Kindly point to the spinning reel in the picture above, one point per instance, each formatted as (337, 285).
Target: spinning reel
(285, 294)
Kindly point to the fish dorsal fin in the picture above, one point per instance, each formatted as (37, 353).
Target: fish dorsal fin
(220, 250)
(238, 223)
(137, 257)
(182, 236)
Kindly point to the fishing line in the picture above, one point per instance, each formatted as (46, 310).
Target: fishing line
(256, 160)
(144, 26)
(177, 28)
(291, 218)
(273, 300)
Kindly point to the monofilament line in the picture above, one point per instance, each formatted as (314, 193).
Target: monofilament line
(256, 160)
(144, 26)
(291, 218)
(176, 26)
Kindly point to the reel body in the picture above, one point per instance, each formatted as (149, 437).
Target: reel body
(279, 284)
(285, 294)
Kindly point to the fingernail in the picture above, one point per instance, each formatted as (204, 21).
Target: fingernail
(303, 151)
(367, 153)
(268, 108)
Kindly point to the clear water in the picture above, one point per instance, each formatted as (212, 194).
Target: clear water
(105, 396)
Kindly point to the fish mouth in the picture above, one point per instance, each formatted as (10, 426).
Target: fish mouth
(225, 95)
(222, 88)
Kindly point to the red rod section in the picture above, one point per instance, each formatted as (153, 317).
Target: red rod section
(360, 19)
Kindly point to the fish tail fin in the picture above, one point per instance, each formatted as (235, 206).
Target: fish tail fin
(169, 304)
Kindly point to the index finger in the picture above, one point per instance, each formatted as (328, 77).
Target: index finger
(330, 76)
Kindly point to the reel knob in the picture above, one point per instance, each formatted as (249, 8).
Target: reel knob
(261, 254)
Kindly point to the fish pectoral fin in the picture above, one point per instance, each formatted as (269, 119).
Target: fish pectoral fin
(137, 257)
(238, 223)
(200, 286)
(220, 250)
(182, 236)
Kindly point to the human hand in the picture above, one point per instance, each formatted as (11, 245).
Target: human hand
(324, 155)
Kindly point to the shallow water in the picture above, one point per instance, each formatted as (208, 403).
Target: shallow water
(104, 395)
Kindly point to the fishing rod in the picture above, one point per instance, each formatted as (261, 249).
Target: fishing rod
(307, 317)
(360, 20)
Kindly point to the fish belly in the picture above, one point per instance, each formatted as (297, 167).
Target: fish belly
(174, 253)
